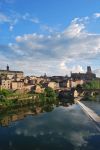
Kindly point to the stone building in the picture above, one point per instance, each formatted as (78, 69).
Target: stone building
(11, 74)
(5, 84)
(11, 79)
(39, 89)
(17, 85)
(84, 76)
(53, 85)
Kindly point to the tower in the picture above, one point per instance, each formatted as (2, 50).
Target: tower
(7, 68)
(89, 69)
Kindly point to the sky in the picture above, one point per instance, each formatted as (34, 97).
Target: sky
(55, 37)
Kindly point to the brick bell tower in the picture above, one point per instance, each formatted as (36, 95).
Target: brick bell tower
(7, 67)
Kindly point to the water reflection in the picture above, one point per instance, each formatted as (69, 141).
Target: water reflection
(20, 113)
(62, 128)
(14, 114)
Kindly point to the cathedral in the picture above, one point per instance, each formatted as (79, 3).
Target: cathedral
(84, 76)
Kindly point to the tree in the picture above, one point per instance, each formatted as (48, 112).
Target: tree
(5, 92)
(49, 92)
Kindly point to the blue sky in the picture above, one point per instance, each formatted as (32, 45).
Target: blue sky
(50, 36)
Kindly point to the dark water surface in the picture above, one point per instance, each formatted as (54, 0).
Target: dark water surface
(64, 128)
(93, 105)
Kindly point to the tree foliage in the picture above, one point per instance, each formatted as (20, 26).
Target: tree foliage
(5, 92)
(94, 84)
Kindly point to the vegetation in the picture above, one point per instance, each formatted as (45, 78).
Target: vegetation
(5, 92)
(94, 84)
(92, 95)
(11, 99)
(48, 97)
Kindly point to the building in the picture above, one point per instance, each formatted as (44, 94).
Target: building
(75, 94)
(63, 83)
(5, 84)
(53, 85)
(17, 85)
(84, 76)
(12, 74)
(39, 89)
(28, 87)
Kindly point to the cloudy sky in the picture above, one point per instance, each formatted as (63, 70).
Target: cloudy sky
(50, 36)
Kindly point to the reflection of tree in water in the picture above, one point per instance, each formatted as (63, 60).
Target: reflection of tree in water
(66, 97)
(43, 104)
(12, 115)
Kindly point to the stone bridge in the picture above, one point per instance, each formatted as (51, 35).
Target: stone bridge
(91, 91)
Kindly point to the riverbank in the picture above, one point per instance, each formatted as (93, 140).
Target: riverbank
(48, 97)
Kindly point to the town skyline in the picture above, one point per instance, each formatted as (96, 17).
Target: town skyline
(7, 70)
(52, 37)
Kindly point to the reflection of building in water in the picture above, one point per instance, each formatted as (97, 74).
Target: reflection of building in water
(18, 115)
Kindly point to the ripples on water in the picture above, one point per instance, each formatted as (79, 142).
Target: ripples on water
(63, 128)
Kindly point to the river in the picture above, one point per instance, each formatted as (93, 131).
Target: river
(63, 128)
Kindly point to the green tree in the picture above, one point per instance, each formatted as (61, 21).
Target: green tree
(49, 92)
(5, 92)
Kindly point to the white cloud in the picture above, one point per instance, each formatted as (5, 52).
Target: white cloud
(97, 71)
(59, 52)
(11, 28)
(63, 51)
(28, 17)
(14, 18)
(50, 29)
(34, 20)
(97, 15)
(78, 69)
(75, 29)
(4, 18)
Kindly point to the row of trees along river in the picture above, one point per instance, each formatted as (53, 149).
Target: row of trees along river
(10, 99)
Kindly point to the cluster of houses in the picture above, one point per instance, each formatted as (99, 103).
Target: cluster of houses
(16, 81)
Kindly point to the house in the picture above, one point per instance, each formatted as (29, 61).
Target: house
(73, 83)
(28, 87)
(53, 85)
(17, 85)
(39, 89)
(63, 83)
(5, 84)
(75, 93)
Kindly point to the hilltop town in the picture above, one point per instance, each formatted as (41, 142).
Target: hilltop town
(42, 93)
(17, 82)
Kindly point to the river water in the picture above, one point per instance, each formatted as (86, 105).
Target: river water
(63, 128)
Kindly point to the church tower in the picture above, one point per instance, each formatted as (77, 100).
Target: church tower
(89, 69)
(7, 68)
